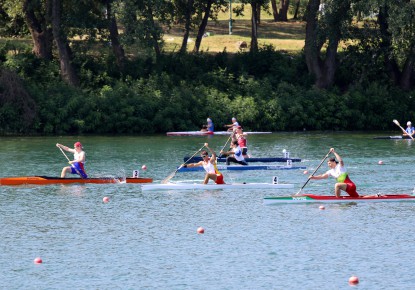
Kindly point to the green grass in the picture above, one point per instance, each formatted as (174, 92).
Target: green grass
(287, 36)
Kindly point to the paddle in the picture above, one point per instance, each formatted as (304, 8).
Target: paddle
(165, 180)
(70, 163)
(403, 130)
(325, 157)
(225, 145)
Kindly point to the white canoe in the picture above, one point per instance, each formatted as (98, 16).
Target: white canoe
(199, 186)
(205, 133)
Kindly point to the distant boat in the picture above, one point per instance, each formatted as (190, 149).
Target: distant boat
(205, 133)
(398, 137)
(253, 159)
(244, 167)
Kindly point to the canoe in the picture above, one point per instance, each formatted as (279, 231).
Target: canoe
(257, 159)
(190, 133)
(311, 198)
(42, 180)
(393, 137)
(245, 167)
(245, 132)
(205, 133)
(212, 186)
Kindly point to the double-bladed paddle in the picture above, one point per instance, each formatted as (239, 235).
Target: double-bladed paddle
(165, 180)
(403, 130)
(325, 157)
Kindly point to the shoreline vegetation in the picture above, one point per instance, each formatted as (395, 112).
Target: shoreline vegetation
(269, 90)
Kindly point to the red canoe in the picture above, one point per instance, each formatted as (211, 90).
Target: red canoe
(311, 198)
(42, 180)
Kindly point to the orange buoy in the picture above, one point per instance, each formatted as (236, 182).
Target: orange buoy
(106, 199)
(200, 230)
(353, 280)
(37, 260)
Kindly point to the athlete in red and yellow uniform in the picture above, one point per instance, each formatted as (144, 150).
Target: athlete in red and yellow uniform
(338, 171)
(209, 164)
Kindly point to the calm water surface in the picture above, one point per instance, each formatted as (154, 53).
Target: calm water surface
(149, 241)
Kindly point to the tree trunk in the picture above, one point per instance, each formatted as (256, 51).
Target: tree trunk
(274, 10)
(282, 15)
(68, 73)
(39, 29)
(407, 72)
(154, 35)
(392, 68)
(297, 8)
(117, 48)
(202, 26)
(254, 29)
(258, 14)
(187, 25)
(323, 71)
(312, 53)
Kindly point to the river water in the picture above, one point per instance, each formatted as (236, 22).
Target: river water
(149, 240)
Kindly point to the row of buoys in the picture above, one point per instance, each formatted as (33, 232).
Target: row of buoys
(353, 280)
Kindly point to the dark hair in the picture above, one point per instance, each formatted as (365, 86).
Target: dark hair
(332, 159)
(204, 152)
(235, 142)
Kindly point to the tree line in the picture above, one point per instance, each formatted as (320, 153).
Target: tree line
(84, 53)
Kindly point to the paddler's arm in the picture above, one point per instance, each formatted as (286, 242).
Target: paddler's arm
(66, 148)
(190, 165)
(339, 159)
(213, 157)
(321, 176)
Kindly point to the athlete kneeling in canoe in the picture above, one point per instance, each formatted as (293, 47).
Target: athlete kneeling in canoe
(77, 165)
(209, 164)
(338, 171)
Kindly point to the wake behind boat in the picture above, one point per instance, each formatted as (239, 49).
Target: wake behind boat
(253, 159)
(199, 186)
(44, 180)
(245, 167)
(311, 198)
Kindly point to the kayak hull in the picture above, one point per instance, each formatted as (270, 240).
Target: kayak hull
(199, 186)
(44, 180)
(204, 133)
(257, 159)
(311, 198)
(245, 167)
(392, 137)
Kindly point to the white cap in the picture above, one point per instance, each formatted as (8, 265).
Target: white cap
(409, 123)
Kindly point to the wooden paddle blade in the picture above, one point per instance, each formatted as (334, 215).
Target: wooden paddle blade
(396, 122)
(167, 179)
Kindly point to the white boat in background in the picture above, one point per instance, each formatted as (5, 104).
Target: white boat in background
(206, 133)
(213, 186)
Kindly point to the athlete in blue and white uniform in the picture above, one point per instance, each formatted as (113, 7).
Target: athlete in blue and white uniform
(77, 165)
(209, 127)
(410, 130)
(233, 126)
(235, 155)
